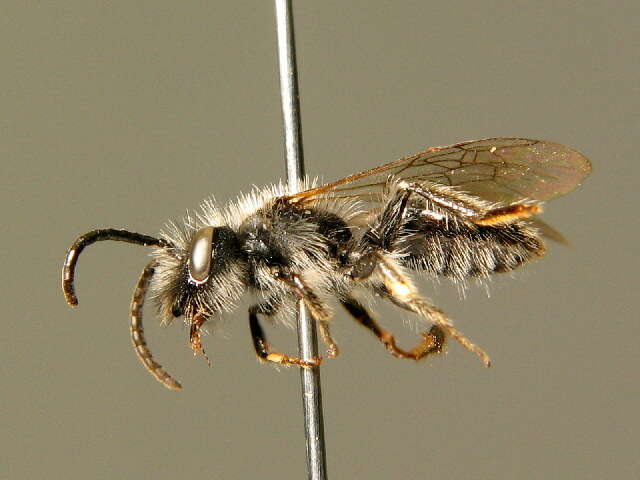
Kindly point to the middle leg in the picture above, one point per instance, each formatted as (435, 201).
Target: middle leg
(319, 311)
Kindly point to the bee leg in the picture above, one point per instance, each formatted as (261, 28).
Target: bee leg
(509, 214)
(262, 347)
(399, 288)
(319, 311)
(384, 231)
(387, 225)
(438, 317)
(432, 342)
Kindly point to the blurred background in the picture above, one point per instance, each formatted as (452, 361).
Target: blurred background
(125, 114)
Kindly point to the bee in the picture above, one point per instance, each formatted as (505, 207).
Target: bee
(466, 211)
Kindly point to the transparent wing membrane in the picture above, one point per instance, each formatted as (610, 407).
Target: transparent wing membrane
(501, 170)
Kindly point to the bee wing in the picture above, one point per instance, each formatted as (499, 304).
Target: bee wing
(500, 170)
(549, 232)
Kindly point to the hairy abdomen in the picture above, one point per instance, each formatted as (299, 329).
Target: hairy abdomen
(458, 250)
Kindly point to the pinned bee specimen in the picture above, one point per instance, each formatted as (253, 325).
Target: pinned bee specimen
(462, 212)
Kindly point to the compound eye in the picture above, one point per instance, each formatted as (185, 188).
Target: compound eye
(200, 257)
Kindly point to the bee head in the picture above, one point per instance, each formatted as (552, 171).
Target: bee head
(201, 272)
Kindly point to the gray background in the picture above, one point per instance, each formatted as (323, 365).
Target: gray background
(125, 114)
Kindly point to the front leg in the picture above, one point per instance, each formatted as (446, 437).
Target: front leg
(262, 347)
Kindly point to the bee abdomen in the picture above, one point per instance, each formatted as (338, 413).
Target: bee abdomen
(467, 251)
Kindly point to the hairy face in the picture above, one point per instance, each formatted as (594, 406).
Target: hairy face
(201, 273)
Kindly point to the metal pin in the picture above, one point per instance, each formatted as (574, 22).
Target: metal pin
(307, 337)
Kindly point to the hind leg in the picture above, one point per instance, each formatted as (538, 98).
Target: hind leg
(399, 288)
(432, 342)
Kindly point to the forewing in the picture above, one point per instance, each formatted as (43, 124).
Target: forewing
(502, 170)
